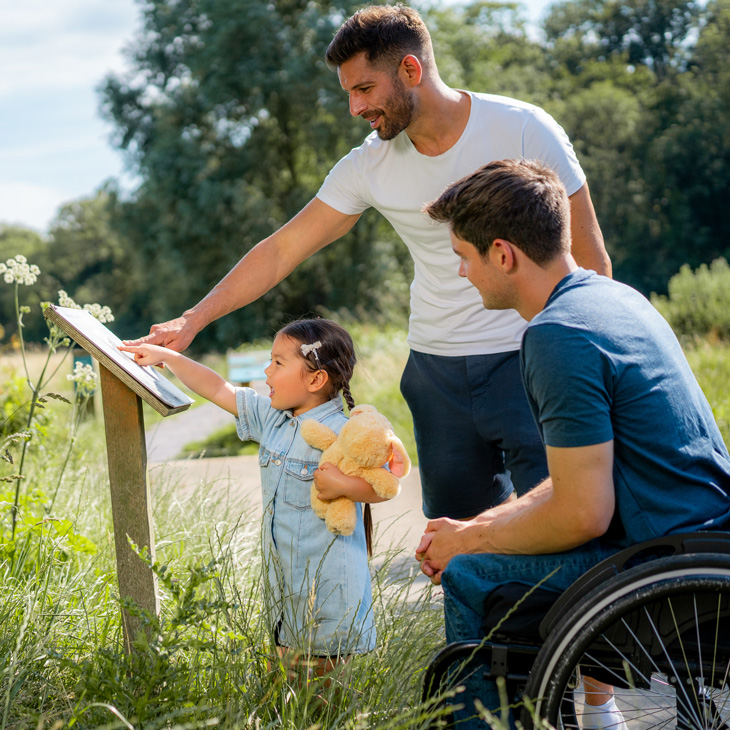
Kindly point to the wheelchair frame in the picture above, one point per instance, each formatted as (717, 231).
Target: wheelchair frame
(653, 621)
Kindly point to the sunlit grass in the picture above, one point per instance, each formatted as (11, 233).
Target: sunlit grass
(62, 662)
(61, 658)
(710, 362)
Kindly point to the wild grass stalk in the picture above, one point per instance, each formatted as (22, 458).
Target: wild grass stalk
(209, 661)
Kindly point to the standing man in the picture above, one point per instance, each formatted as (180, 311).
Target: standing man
(632, 446)
(464, 360)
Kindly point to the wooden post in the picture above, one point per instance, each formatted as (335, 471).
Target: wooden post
(124, 385)
(127, 456)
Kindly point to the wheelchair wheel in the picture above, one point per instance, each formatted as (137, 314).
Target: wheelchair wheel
(659, 634)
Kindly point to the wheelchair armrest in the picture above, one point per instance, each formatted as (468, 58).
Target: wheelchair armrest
(660, 547)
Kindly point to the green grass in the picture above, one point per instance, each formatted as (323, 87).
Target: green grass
(208, 662)
(710, 362)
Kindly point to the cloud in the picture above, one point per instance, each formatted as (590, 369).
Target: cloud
(54, 148)
(61, 45)
(33, 206)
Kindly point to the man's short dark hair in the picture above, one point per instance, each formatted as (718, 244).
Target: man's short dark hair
(386, 34)
(521, 201)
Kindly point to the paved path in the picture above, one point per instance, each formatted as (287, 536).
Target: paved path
(166, 438)
(399, 522)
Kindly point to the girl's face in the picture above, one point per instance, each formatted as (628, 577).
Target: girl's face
(293, 386)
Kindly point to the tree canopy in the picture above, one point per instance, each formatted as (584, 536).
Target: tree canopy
(231, 119)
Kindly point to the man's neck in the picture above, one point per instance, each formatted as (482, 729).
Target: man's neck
(441, 116)
(538, 284)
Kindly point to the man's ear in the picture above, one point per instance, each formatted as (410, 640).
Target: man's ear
(318, 380)
(410, 70)
(502, 254)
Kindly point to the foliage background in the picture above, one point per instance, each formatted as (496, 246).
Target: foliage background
(231, 119)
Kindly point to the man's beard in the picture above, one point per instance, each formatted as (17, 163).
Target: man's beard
(400, 108)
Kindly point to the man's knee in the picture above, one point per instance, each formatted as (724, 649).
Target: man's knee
(468, 578)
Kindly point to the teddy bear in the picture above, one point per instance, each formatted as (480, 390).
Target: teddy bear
(364, 445)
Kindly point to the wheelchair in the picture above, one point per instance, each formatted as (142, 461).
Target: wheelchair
(652, 621)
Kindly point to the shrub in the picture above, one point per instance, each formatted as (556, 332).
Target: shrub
(698, 302)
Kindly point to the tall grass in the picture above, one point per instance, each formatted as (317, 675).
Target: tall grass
(208, 661)
(709, 359)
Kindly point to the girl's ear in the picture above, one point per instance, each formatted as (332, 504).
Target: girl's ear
(317, 380)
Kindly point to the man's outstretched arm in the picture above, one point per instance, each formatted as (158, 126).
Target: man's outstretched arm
(570, 508)
(261, 269)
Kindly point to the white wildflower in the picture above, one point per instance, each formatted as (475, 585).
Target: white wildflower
(17, 270)
(84, 378)
(103, 314)
(65, 300)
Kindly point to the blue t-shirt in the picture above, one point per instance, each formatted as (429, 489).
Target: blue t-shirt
(600, 363)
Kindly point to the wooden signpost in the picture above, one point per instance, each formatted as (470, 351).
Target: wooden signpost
(124, 385)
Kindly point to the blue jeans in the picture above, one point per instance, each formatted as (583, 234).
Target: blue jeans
(469, 579)
(473, 428)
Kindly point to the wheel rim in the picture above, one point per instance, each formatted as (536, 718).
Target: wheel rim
(664, 644)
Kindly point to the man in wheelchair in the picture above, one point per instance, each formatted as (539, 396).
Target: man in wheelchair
(633, 449)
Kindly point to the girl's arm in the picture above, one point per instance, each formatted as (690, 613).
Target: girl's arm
(199, 378)
(331, 483)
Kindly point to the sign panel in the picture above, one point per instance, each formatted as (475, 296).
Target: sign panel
(98, 340)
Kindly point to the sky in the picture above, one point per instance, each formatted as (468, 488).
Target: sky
(54, 145)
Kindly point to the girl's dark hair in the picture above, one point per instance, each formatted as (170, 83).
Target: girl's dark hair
(336, 356)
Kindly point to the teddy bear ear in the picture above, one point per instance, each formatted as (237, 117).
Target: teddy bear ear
(399, 463)
(362, 408)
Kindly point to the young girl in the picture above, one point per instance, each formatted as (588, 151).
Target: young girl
(318, 593)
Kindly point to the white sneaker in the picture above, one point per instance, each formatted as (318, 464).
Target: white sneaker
(603, 717)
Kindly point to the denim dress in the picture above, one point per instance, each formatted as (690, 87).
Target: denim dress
(317, 585)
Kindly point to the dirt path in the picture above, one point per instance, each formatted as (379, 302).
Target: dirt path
(399, 523)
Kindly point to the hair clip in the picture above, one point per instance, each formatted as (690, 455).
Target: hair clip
(306, 349)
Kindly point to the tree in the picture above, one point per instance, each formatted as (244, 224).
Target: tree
(27, 242)
(89, 260)
(648, 32)
(483, 46)
(233, 120)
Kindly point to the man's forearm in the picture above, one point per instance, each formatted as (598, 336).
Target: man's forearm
(532, 525)
(548, 519)
(271, 261)
(588, 247)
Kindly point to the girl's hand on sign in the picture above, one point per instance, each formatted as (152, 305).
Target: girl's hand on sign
(148, 354)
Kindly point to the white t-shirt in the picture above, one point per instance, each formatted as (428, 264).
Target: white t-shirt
(447, 314)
